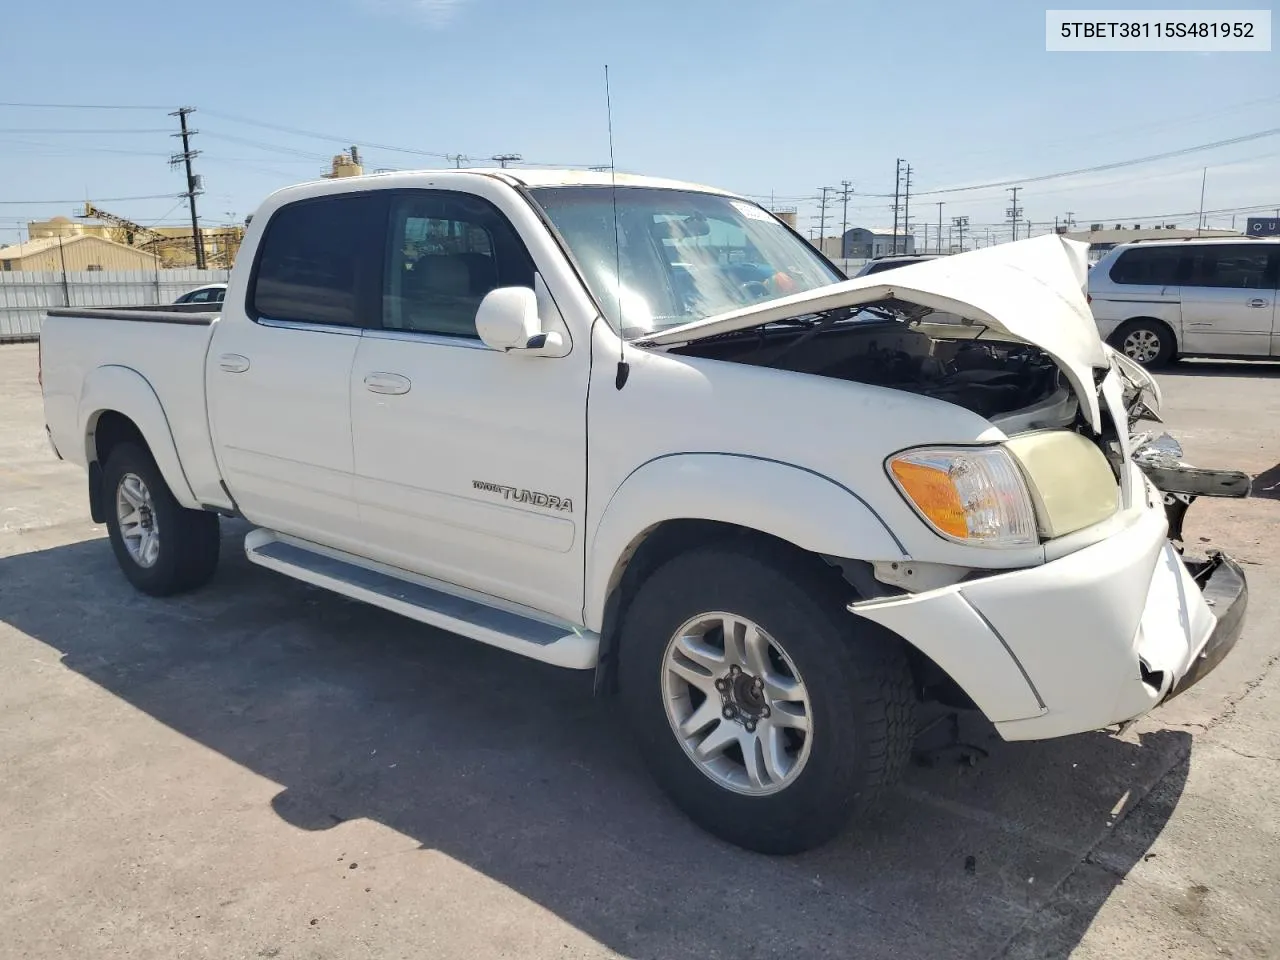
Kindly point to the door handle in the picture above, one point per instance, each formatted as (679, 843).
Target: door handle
(233, 363)
(1259, 302)
(390, 383)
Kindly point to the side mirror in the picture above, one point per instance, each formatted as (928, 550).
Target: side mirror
(507, 320)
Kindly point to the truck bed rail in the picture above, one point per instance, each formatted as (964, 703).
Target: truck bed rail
(191, 314)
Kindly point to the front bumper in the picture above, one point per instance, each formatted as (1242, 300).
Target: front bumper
(1097, 637)
(1225, 589)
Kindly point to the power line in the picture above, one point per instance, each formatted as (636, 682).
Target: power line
(82, 106)
(1109, 135)
(325, 136)
(1098, 168)
(79, 130)
(260, 145)
(1167, 155)
(36, 203)
(67, 150)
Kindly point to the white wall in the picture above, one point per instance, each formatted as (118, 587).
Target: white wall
(26, 295)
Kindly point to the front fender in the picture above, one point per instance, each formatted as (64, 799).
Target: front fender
(791, 503)
(127, 392)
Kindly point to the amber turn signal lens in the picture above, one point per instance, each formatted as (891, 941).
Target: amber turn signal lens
(933, 493)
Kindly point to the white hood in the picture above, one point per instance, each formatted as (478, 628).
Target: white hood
(1033, 290)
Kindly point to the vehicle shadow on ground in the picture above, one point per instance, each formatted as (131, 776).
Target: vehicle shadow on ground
(1266, 485)
(513, 769)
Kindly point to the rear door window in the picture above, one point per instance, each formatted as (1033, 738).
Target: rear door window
(319, 260)
(1150, 266)
(1233, 267)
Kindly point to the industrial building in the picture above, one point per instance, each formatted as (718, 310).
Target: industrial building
(75, 253)
(866, 243)
(172, 245)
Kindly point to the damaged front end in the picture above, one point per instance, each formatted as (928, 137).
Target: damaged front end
(1161, 458)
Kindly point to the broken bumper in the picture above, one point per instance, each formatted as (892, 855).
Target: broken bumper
(1226, 591)
(1097, 637)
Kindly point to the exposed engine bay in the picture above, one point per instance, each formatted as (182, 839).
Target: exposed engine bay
(942, 360)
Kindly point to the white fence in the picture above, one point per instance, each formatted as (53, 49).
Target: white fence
(26, 295)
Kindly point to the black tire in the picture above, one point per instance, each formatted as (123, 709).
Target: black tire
(861, 696)
(1147, 328)
(188, 539)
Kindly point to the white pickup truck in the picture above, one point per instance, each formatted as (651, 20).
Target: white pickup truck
(642, 427)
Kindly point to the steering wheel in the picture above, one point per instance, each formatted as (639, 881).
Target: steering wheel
(754, 290)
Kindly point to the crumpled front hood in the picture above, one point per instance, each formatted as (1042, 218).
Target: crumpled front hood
(1033, 290)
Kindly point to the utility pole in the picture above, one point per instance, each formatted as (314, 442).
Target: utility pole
(939, 229)
(960, 223)
(505, 158)
(906, 213)
(846, 189)
(1200, 221)
(822, 216)
(1014, 212)
(194, 186)
(897, 182)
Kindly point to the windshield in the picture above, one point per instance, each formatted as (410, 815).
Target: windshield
(683, 255)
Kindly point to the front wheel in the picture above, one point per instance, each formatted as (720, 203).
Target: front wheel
(162, 547)
(759, 704)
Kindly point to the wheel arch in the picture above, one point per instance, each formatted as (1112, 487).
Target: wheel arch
(1117, 335)
(677, 503)
(119, 405)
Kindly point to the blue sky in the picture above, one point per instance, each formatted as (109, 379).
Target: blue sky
(758, 97)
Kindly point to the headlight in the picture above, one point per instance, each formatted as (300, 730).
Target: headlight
(974, 495)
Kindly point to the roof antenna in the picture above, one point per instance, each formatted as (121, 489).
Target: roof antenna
(624, 368)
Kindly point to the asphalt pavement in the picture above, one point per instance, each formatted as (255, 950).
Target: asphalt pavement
(261, 769)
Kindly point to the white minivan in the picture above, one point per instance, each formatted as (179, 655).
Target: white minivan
(1161, 299)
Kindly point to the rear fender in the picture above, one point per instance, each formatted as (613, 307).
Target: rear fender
(127, 392)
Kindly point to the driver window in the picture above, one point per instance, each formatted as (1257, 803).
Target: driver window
(445, 252)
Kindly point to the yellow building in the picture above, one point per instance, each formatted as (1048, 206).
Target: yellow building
(75, 253)
(171, 244)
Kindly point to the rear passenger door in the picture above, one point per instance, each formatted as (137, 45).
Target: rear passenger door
(470, 462)
(1228, 299)
(279, 368)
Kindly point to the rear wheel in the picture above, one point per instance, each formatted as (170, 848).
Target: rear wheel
(761, 708)
(162, 547)
(1146, 342)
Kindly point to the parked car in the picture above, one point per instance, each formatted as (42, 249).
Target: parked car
(1199, 297)
(770, 524)
(891, 262)
(213, 293)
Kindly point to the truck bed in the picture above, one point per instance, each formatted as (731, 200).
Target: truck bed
(163, 347)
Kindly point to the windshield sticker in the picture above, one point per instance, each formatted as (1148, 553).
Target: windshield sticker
(751, 211)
